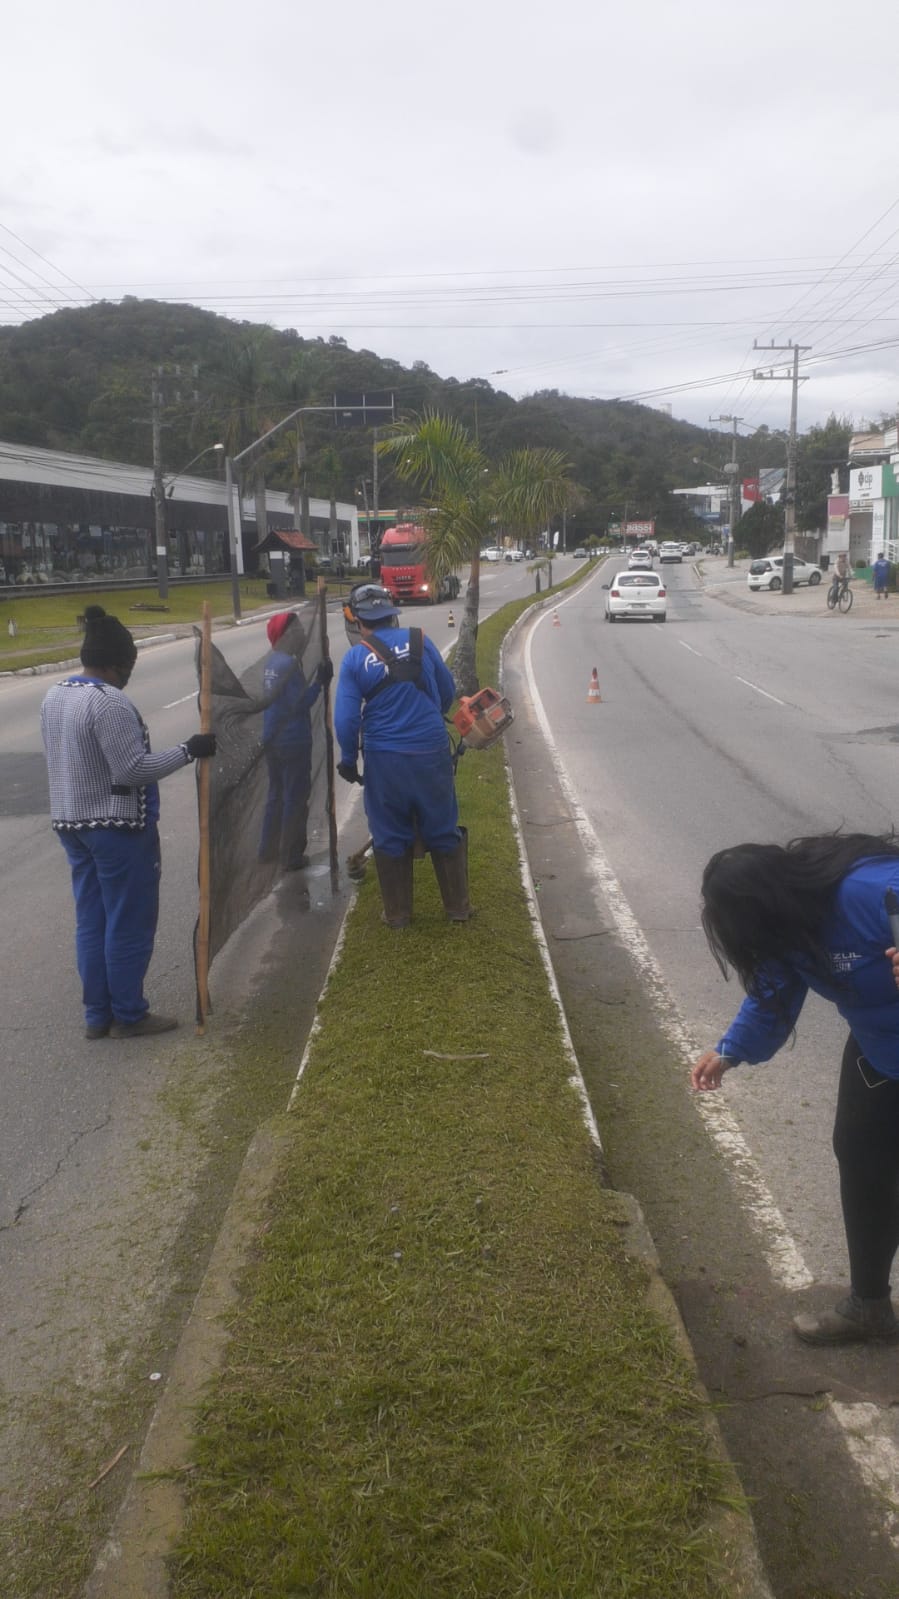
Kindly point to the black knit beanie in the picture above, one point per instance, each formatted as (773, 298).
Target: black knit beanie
(107, 641)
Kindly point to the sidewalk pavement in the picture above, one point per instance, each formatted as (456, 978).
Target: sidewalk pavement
(729, 585)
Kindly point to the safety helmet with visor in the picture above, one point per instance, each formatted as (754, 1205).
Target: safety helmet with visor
(368, 605)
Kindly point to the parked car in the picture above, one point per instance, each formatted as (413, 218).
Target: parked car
(636, 594)
(639, 560)
(580, 553)
(767, 573)
(492, 553)
(669, 551)
(513, 555)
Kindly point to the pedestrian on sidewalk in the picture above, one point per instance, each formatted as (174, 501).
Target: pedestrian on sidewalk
(287, 740)
(393, 692)
(104, 807)
(812, 916)
(881, 574)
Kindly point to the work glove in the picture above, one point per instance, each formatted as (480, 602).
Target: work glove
(349, 771)
(200, 746)
(324, 672)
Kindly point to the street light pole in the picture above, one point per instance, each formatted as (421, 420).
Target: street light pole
(162, 491)
(232, 461)
(733, 471)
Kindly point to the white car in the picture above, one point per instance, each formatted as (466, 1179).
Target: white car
(669, 551)
(494, 553)
(636, 594)
(767, 573)
(513, 555)
(639, 560)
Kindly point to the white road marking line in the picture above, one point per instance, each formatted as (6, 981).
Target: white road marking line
(758, 690)
(781, 1252)
(690, 648)
(183, 701)
(866, 1430)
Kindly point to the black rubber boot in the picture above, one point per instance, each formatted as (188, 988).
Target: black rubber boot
(451, 871)
(852, 1321)
(395, 881)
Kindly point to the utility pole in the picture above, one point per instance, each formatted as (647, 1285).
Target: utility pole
(374, 479)
(790, 506)
(735, 497)
(162, 548)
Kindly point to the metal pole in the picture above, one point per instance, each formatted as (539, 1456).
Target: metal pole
(329, 739)
(233, 536)
(790, 494)
(790, 508)
(374, 473)
(162, 548)
(735, 496)
(201, 947)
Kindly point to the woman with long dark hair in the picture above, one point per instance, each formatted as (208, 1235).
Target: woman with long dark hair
(811, 915)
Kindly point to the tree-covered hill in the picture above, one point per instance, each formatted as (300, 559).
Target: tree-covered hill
(81, 380)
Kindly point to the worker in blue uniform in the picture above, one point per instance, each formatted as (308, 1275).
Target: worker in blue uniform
(816, 915)
(287, 738)
(393, 692)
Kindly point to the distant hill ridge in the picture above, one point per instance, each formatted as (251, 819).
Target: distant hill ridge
(81, 380)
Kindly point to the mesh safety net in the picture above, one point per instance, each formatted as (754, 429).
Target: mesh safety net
(268, 805)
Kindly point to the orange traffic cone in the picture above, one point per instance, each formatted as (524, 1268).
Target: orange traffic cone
(556, 622)
(593, 695)
(451, 620)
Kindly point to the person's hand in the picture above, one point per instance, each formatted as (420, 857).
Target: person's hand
(349, 771)
(709, 1070)
(200, 746)
(892, 955)
(324, 672)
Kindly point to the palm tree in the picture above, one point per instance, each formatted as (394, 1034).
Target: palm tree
(468, 501)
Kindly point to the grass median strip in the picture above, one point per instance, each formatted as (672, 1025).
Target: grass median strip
(443, 1378)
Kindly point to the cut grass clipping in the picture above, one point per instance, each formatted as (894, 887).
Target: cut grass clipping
(443, 1379)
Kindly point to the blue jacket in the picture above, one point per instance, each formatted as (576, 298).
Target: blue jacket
(881, 572)
(405, 717)
(288, 700)
(860, 982)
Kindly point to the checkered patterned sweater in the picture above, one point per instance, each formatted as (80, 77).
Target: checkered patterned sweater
(102, 772)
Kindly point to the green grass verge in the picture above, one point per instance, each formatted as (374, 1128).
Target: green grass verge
(443, 1378)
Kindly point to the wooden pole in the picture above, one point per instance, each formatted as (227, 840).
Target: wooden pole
(203, 870)
(329, 743)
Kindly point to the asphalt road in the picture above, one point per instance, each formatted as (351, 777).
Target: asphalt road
(104, 1146)
(729, 723)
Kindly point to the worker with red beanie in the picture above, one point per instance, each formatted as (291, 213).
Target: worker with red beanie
(287, 704)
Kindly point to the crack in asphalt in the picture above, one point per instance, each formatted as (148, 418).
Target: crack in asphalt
(28, 1196)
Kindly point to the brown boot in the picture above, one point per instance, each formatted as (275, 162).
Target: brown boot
(852, 1321)
(451, 871)
(395, 882)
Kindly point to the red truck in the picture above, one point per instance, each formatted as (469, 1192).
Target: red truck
(404, 570)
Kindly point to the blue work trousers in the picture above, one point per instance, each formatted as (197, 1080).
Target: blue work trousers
(403, 791)
(286, 816)
(115, 880)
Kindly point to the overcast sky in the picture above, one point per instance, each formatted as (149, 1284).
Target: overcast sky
(609, 199)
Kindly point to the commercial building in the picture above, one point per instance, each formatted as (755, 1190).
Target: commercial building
(65, 517)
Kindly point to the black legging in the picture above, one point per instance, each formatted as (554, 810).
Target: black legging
(866, 1144)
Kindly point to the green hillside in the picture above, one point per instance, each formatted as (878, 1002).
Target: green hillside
(80, 380)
